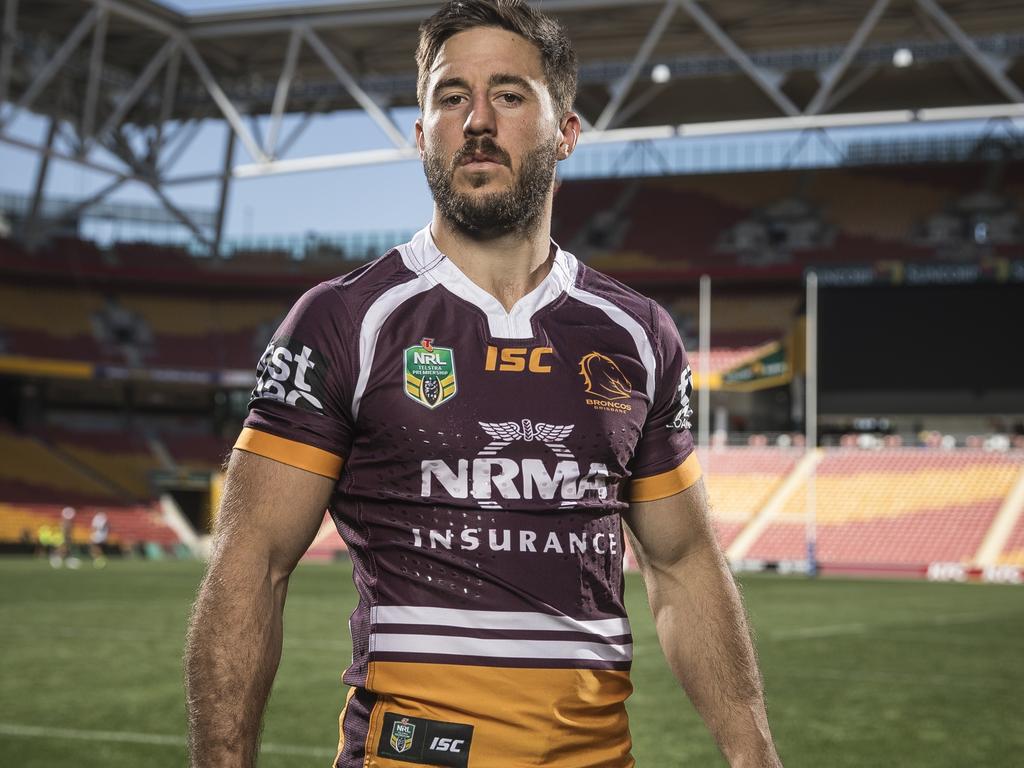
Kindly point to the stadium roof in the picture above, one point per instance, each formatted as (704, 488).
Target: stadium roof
(732, 66)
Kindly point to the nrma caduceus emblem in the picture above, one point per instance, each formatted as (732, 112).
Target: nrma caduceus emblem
(430, 374)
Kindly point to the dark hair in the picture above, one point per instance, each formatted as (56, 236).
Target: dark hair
(556, 53)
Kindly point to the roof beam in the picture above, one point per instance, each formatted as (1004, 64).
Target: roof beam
(71, 42)
(994, 73)
(139, 16)
(56, 154)
(185, 135)
(7, 41)
(642, 100)
(284, 84)
(833, 74)
(227, 108)
(737, 54)
(850, 86)
(81, 206)
(127, 101)
(170, 90)
(362, 98)
(225, 188)
(179, 214)
(326, 162)
(621, 88)
(92, 88)
(33, 227)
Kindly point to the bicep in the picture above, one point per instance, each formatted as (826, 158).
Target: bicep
(668, 530)
(269, 511)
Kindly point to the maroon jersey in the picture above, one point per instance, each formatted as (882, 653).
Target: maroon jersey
(482, 460)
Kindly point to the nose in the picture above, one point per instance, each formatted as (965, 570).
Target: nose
(481, 118)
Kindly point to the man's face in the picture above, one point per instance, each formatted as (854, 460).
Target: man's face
(489, 136)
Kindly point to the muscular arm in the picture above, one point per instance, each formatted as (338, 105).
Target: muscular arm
(268, 516)
(701, 623)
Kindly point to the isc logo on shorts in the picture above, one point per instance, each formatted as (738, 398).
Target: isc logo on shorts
(427, 742)
(290, 373)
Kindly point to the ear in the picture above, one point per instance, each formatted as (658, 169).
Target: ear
(569, 128)
(420, 140)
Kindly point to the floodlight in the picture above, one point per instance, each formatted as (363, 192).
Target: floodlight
(902, 58)
(661, 73)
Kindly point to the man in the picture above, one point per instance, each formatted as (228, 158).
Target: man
(478, 410)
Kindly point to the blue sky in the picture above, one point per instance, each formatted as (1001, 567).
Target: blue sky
(391, 196)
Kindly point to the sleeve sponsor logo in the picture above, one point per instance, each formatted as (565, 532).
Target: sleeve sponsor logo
(427, 742)
(603, 379)
(682, 419)
(291, 373)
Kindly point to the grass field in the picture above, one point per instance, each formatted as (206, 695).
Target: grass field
(858, 673)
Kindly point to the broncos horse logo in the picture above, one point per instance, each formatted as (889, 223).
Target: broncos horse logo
(603, 378)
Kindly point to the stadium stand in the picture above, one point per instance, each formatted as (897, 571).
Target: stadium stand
(894, 507)
(33, 472)
(137, 327)
(774, 224)
(1013, 552)
(740, 481)
(198, 451)
(327, 545)
(122, 458)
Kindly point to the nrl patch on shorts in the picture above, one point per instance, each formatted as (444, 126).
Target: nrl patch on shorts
(427, 742)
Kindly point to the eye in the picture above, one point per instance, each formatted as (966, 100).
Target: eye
(510, 99)
(452, 100)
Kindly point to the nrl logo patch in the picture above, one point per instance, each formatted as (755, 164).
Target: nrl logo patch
(430, 374)
(401, 735)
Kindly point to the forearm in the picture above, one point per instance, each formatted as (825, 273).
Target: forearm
(233, 649)
(704, 634)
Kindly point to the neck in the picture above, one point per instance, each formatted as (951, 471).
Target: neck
(506, 266)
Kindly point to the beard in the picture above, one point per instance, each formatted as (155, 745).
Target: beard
(517, 208)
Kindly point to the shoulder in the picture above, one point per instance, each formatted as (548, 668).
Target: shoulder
(352, 294)
(646, 312)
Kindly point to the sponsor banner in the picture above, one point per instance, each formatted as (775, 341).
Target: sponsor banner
(937, 572)
(769, 367)
(74, 369)
(989, 269)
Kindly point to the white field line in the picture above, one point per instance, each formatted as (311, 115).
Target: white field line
(132, 737)
(860, 627)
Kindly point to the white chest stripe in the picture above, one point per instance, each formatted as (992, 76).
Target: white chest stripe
(373, 321)
(622, 318)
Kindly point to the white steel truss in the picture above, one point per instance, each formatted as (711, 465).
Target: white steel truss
(112, 109)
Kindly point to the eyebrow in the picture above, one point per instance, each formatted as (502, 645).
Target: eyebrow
(499, 78)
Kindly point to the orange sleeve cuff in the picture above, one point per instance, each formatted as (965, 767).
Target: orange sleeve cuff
(666, 484)
(290, 452)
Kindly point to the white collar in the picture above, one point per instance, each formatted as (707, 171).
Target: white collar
(422, 256)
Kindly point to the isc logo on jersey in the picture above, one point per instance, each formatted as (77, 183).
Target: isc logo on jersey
(488, 476)
(290, 373)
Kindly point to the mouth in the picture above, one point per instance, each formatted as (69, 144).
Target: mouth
(480, 160)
